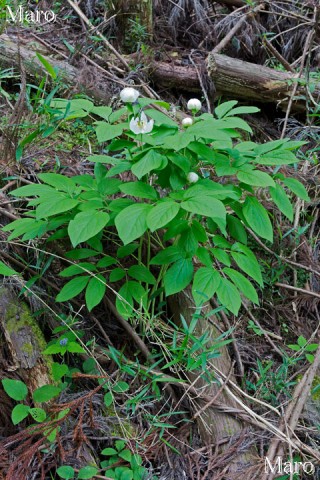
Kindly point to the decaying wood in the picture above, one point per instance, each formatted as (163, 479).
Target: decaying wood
(21, 354)
(88, 81)
(215, 426)
(231, 77)
(236, 79)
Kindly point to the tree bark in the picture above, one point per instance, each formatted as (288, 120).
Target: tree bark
(138, 10)
(214, 426)
(21, 352)
(234, 78)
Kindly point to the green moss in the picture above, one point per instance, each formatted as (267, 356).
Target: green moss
(121, 426)
(316, 396)
(18, 317)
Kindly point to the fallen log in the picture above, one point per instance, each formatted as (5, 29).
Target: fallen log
(14, 54)
(235, 78)
(216, 427)
(230, 77)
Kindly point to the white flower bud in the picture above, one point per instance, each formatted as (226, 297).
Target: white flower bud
(194, 105)
(187, 122)
(192, 177)
(129, 95)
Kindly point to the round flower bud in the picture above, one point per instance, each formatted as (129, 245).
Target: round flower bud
(187, 122)
(194, 105)
(192, 177)
(129, 95)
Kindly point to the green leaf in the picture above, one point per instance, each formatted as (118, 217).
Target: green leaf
(81, 253)
(87, 472)
(52, 349)
(159, 117)
(59, 370)
(168, 255)
(38, 414)
(117, 274)
(221, 255)
(225, 107)
(126, 250)
(59, 203)
(86, 225)
(106, 132)
(249, 265)
(108, 399)
(120, 387)
(297, 188)
(15, 389)
(126, 455)
(120, 444)
(302, 342)
(282, 201)
(277, 157)
(95, 291)
(270, 146)
(178, 276)
(236, 229)
(74, 347)
(45, 393)
(109, 452)
(131, 222)
(162, 214)
(229, 296)
(77, 269)
(142, 274)
(208, 129)
(242, 110)
(66, 472)
(152, 160)
(6, 271)
(310, 357)
(243, 284)
(205, 284)
(103, 111)
(205, 205)
(124, 301)
(58, 181)
(139, 189)
(102, 159)
(72, 288)
(312, 347)
(106, 261)
(19, 413)
(255, 178)
(257, 217)
(47, 65)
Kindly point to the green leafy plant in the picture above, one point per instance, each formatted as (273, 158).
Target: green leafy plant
(273, 380)
(17, 390)
(132, 470)
(303, 347)
(178, 207)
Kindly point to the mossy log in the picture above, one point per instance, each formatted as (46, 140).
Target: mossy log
(215, 426)
(22, 343)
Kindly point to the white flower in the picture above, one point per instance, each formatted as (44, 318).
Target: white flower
(141, 125)
(129, 95)
(194, 105)
(187, 122)
(192, 177)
